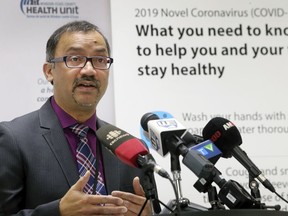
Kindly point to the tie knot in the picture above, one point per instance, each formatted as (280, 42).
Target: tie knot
(80, 130)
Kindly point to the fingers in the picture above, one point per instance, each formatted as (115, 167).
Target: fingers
(136, 198)
(80, 184)
(105, 200)
(137, 187)
(134, 202)
(75, 202)
(92, 199)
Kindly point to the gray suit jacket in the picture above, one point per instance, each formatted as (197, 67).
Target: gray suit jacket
(37, 168)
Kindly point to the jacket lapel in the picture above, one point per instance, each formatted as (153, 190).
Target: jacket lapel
(55, 138)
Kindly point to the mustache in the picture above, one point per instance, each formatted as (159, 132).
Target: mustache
(83, 80)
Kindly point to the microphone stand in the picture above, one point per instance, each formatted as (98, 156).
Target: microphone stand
(184, 203)
(255, 192)
(176, 171)
(254, 187)
(214, 200)
(149, 186)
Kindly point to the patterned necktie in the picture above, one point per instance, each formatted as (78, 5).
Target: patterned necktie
(86, 160)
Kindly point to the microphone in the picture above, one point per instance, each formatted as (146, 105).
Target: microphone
(164, 134)
(227, 138)
(128, 148)
(158, 130)
(133, 152)
(231, 193)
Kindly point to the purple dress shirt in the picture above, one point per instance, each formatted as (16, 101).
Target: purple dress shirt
(66, 121)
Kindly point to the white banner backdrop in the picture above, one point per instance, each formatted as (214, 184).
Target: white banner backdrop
(199, 59)
(192, 59)
(25, 29)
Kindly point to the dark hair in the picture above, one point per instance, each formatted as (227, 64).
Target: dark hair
(75, 26)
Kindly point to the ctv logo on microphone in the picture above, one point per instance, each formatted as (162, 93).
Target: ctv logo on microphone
(208, 150)
(204, 150)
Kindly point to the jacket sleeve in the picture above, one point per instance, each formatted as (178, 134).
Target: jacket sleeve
(12, 180)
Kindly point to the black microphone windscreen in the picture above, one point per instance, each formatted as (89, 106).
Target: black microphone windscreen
(224, 134)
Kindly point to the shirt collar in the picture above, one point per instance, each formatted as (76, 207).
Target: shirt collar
(67, 120)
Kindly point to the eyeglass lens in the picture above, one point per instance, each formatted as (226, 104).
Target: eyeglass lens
(100, 62)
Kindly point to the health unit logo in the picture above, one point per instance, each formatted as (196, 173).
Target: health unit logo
(49, 9)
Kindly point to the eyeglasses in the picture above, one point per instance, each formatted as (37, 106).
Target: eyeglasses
(98, 62)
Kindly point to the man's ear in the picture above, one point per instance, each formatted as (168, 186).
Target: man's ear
(47, 70)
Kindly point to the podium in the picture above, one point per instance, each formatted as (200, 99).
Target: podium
(238, 212)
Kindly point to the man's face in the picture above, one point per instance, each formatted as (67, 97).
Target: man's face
(78, 88)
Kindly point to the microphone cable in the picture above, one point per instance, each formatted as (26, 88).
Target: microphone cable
(282, 198)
